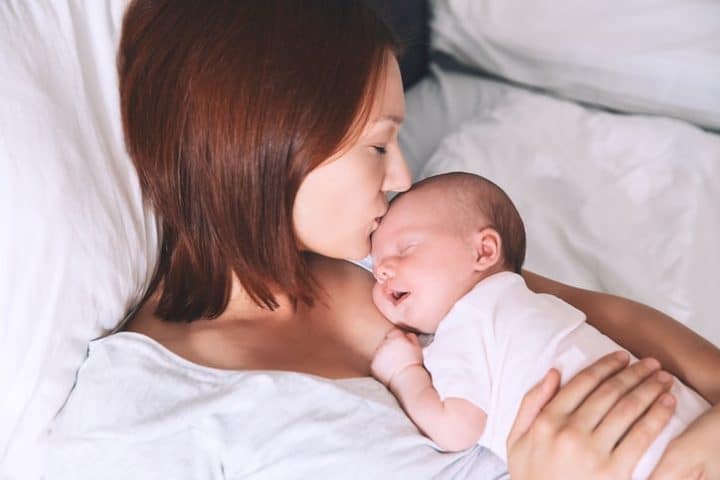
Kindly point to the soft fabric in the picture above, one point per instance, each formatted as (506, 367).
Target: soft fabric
(641, 56)
(500, 339)
(76, 245)
(141, 412)
(624, 204)
(438, 106)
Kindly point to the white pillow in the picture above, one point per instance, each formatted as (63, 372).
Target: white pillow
(645, 56)
(76, 244)
(624, 204)
(438, 105)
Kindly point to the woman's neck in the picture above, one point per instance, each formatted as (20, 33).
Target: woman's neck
(334, 339)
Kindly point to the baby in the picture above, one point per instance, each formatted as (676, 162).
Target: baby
(447, 258)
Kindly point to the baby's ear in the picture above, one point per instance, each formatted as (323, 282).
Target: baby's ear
(488, 248)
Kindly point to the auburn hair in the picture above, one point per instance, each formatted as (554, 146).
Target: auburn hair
(226, 107)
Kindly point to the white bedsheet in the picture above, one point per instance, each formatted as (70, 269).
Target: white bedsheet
(140, 412)
(618, 203)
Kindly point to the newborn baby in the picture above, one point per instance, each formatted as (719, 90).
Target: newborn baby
(447, 258)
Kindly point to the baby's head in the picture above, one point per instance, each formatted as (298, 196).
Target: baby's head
(437, 241)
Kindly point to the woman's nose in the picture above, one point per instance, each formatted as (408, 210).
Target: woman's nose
(397, 174)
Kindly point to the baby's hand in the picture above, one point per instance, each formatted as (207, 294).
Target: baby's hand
(398, 351)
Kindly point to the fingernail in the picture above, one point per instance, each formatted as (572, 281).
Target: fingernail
(667, 400)
(664, 377)
(621, 355)
(546, 379)
(651, 363)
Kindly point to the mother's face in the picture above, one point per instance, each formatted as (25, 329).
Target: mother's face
(340, 202)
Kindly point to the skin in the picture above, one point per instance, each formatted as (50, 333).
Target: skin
(370, 168)
(338, 337)
(416, 240)
(335, 212)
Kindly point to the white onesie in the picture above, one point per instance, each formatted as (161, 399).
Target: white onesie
(501, 338)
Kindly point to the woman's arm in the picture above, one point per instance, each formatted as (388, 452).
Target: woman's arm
(645, 332)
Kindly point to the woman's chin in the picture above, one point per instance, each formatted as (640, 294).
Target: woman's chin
(344, 252)
(358, 252)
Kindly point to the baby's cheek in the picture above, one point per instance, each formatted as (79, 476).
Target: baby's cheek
(377, 298)
(383, 305)
(435, 308)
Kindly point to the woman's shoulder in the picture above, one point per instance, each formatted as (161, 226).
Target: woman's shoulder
(346, 291)
(126, 373)
(123, 365)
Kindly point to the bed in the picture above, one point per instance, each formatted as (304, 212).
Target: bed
(601, 121)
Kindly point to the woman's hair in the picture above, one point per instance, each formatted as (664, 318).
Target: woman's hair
(226, 107)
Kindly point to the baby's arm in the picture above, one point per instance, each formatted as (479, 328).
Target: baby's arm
(453, 424)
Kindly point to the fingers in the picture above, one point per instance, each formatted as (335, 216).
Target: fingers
(394, 333)
(533, 401)
(413, 338)
(631, 405)
(644, 432)
(581, 385)
(397, 333)
(601, 401)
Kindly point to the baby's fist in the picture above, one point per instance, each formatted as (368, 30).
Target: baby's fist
(398, 351)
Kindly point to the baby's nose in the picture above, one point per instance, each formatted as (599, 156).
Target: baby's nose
(382, 272)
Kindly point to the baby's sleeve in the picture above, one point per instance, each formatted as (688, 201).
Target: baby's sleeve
(458, 363)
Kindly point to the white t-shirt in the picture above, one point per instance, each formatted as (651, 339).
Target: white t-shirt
(138, 411)
(501, 338)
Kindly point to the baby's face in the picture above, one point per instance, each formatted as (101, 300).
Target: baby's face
(423, 265)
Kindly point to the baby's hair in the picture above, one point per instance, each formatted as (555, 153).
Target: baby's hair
(473, 197)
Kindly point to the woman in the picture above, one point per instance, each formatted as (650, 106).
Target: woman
(265, 137)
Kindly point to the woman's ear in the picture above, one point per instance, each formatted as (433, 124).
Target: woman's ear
(488, 249)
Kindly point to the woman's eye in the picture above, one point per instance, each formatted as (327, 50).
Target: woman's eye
(380, 150)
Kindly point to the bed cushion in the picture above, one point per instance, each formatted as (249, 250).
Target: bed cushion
(76, 244)
(645, 56)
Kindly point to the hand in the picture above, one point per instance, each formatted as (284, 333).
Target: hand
(398, 351)
(694, 454)
(597, 426)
